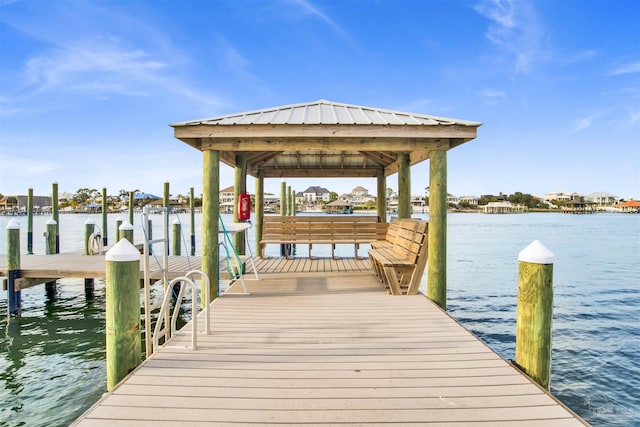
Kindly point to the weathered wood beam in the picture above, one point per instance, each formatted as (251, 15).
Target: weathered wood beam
(318, 173)
(324, 131)
(324, 144)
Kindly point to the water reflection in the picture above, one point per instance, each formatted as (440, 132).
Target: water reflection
(52, 367)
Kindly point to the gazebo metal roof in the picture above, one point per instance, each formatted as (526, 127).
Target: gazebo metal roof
(324, 139)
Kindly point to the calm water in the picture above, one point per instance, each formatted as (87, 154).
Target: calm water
(52, 359)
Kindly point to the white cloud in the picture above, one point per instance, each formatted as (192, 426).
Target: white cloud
(491, 96)
(515, 29)
(309, 8)
(583, 123)
(633, 67)
(92, 65)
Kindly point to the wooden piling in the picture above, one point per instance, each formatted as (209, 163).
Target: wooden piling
(149, 236)
(131, 195)
(210, 222)
(89, 228)
(51, 244)
(176, 231)
(105, 208)
(283, 212)
(240, 187)
(192, 210)
(437, 235)
(404, 186)
(535, 312)
(56, 215)
(122, 311)
(118, 224)
(126, 231)
(13, 266)
(30, 221)
(259, 212)
(166, 205)
(50, 236)
(381, 200)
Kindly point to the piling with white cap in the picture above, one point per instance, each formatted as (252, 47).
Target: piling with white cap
(535, 312)
(122, 312)
(13, 268)
(126, 231)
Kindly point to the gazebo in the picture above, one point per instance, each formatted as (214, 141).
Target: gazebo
(327, 139)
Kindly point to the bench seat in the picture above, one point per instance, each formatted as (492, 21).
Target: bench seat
(400, 265)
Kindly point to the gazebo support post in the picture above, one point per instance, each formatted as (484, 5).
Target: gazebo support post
(210, 214)
(259, 210)
(404, 186)
(239, 187)
(437, 251)
(381, 200)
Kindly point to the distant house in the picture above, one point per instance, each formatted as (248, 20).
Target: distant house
(18, 203)
(559, 195)
(601, 198)
(578, 204)
(226, 195)
(503, 207)
(359, 196)
(631, 206)
(314, 194)
(471, 200)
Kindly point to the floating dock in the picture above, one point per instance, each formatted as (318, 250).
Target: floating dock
(326, 349)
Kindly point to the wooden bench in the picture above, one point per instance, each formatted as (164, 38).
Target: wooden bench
(390, 237)
(329, 230)
(400, 265)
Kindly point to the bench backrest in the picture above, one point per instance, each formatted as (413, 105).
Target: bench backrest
(324, 228)
(411, 237)
(412, 244)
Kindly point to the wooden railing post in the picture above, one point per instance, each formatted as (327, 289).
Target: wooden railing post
(535, 312)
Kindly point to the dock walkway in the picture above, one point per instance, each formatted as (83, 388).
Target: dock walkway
(35, 269)
(326, 349)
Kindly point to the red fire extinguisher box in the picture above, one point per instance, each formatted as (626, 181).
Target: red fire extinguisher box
(244, 207)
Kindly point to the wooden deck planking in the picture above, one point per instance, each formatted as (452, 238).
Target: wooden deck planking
(327, 349)
(73, 265)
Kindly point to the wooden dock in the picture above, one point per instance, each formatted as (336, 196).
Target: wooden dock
(36, 269)
(326, 349)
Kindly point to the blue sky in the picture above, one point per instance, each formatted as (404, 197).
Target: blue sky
(89, 87)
